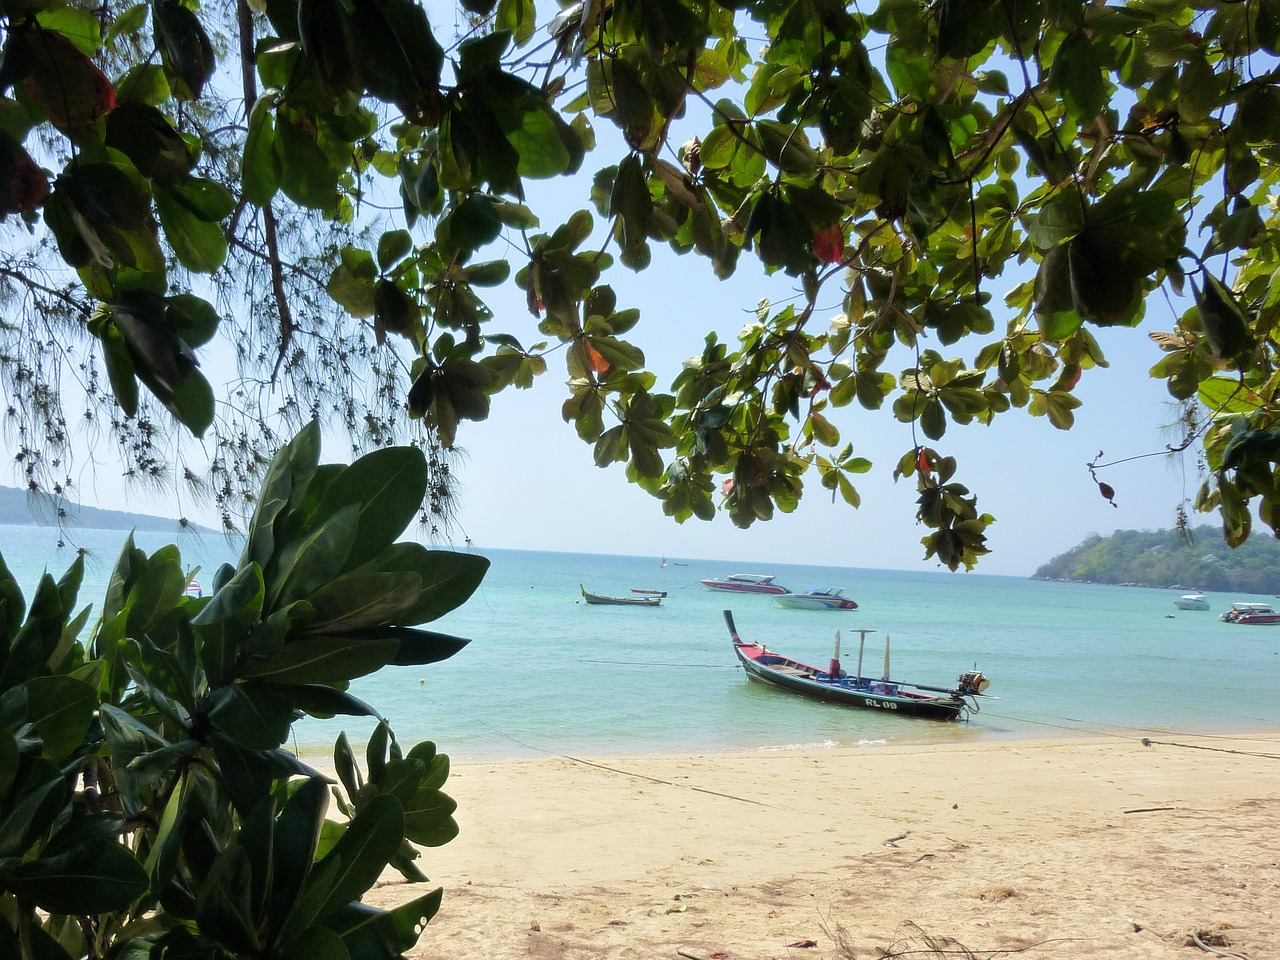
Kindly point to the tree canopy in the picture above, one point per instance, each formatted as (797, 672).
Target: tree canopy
(982, 183)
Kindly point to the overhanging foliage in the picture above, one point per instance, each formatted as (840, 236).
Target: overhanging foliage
(984, 182)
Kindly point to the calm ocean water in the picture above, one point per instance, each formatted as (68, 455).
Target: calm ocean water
(547, 674)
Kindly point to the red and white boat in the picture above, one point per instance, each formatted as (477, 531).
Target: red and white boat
(1251, 613)
(747, 583)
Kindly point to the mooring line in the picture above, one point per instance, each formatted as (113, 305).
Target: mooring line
(1145, 741)
(600, 766)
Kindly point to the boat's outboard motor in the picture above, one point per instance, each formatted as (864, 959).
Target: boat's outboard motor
(973, 683)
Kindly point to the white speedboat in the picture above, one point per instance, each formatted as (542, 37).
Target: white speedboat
(746, 583)
(829, 599)
(1192, 601)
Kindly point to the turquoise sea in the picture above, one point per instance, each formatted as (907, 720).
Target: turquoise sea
(547, 674)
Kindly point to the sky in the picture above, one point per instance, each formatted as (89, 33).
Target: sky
(528, 482)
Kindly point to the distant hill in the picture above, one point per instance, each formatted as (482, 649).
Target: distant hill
(16, 509)
(1166, 558)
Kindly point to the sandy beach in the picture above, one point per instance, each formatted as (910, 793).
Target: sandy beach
(1041, 849)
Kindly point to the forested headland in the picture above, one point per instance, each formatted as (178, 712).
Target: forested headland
(1196, 559)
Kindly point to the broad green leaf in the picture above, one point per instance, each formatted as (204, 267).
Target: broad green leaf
(200, 244)
(361, 600)
(448, 578)
(373, 932)
(37, 797)
(352, 866)
(62, 710)
(261, 164)
(290, 471)
(184, 47)
(325, 659)
(89, 878)
(297, 832)
(393, 246)
(224, 906)
(306, 564)
(225, 619)
(387, 486)
(252, 715)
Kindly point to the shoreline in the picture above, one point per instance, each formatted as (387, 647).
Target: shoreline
(925, 733)
(1057, 847)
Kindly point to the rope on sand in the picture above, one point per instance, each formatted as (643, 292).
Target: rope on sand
(1195, 936)
(1145, 741)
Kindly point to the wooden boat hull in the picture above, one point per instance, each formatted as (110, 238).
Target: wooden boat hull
(904, 699)
(598, 599)
(844, 692)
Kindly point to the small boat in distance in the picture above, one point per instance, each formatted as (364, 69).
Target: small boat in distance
(830, 599)
(601, 599)
(1192, 601)
(747, 583)
(651, 593)
(1251, 613)
(834, 685)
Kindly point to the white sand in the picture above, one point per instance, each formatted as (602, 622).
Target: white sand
(1049, 849)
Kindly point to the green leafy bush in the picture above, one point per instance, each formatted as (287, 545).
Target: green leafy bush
(147, 806)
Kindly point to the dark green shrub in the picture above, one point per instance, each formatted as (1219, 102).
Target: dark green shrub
(148, 808)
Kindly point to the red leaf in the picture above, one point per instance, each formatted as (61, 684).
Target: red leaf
(23, 185)
(64, 83)
(594, 358)
(922, 461)
(828, 243)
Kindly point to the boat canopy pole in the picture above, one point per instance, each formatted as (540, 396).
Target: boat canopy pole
(862, 642)
(886, 658)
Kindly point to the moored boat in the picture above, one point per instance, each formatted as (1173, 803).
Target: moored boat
(829, 599)
(1192, 601)
(834, 685)
(604, 600)
(746, 583)
(1251, 613)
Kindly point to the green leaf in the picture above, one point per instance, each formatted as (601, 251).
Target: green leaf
(38, 796)
(325, 659)
(184, 47)
(373, 932)
(1078, 77)
(296, 834)
(252, 715)
(224, 907)
(361, 600)
(200, 245)
(353, 282)
(225, 619)
(261, 164)
(448, 578)
(290, 470)
(353, 865)
(62, 710)
(393, 246)
(87, 879)
(146, 137)
(305, 565)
